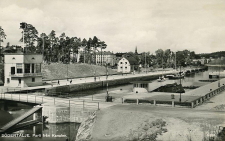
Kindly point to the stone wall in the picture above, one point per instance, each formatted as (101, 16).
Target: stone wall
(62, 114)
(97, 84)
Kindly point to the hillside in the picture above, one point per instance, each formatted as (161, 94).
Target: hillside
(59, 71)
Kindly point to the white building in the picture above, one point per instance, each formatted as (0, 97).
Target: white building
(127, 65)
(105, 57)
(22, 70)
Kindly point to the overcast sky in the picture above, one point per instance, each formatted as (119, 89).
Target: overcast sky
(196, 25)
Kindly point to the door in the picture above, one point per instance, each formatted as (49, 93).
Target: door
(32, 69)
(13, 70)
(19, 81)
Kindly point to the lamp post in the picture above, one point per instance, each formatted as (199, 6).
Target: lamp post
(145, 64)
(107, 91)
(67, 71)
(180, 84)
(175, 60)
(219, 73)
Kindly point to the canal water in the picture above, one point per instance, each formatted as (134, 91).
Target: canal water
(70, 129)
(190, 80)
(11, 111)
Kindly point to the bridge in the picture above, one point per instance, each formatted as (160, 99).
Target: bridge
(16, 123)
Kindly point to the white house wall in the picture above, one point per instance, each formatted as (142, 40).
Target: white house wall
(124, 66)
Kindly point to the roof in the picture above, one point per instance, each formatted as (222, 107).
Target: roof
(21, 53)
(132, 60)
(143, 82)
(104, 53)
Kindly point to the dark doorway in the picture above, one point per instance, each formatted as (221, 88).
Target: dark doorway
(32, 70)
(19, 81)
(13, 70)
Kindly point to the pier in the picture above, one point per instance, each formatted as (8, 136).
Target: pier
(189, 99)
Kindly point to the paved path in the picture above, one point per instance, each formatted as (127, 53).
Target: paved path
(85, 80)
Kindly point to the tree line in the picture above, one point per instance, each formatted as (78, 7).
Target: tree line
(58, 48)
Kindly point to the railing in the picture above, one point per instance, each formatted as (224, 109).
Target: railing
(25, 74)
(52, 100)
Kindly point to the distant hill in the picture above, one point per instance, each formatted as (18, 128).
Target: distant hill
(56, 71)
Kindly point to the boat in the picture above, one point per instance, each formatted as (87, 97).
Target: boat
(161, 79)
(176, 76)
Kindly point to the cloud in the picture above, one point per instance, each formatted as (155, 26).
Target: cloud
(123, 25)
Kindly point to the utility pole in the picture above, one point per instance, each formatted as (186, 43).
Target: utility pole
(145, 64)
(107, 91)
(219, 72)
(67, 72)
(175, 60)
(101, 55)
(180, 83)
(43, 47)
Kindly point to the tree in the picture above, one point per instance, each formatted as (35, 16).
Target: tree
(89, 45)
(53, 42)
(2, 35)
(84, 46)
(167, 57)
(43, 45)
(30, 37)
(160, 56)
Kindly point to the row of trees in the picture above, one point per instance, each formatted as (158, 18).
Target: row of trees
(166, 58)
(58, 49)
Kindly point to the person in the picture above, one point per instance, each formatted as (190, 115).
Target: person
(70, 81)
(58, 82)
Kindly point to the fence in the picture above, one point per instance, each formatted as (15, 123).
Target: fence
(52, 100)
(190, 104)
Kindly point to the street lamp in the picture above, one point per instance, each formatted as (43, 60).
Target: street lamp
(145, 64)
(219, 72)
(180, 84)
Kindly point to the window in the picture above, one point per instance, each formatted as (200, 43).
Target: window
(8, 80)
(27, 68)
(125, 62)
(32, 68)
(125, 67)
(121, 67)
(38, 68)
(121, 62)
(19, 68)
(33, 79)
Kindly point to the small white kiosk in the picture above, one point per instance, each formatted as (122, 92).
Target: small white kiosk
(22, 69)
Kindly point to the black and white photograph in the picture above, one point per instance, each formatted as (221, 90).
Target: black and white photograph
(112, 70)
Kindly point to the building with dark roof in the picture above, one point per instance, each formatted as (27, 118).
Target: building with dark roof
(127, 65)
